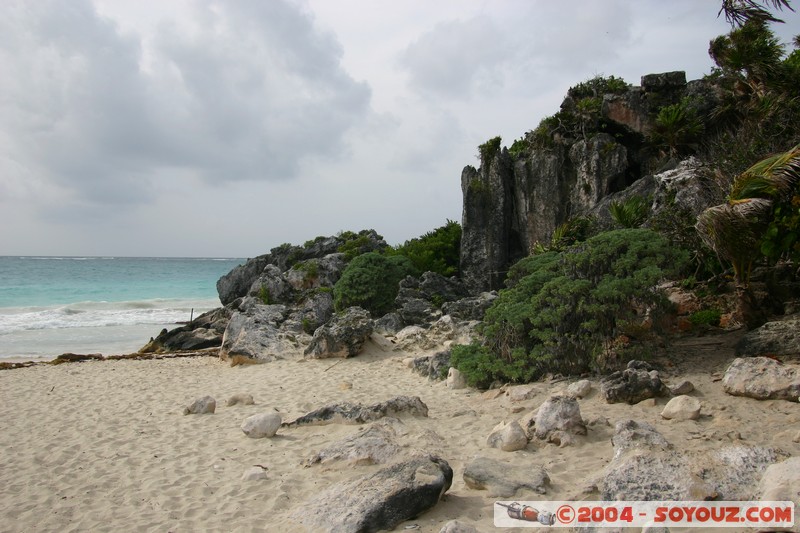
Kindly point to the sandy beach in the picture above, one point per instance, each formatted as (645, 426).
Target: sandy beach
(105, 446)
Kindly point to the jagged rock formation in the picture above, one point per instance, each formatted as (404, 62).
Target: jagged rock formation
(514, 201)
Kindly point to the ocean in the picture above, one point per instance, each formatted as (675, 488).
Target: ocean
(108, 305)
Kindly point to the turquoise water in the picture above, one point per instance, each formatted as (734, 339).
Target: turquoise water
(52, 305)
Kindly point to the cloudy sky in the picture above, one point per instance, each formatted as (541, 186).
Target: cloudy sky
(224, 128)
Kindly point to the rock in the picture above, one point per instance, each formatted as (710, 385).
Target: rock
(632, 385)
(665, 475)
(504, 480)
(272, 288)
(773, 338)
(492, 394)
(762, 378)
(343, 336)
(261, 425)
(378, 501)
(470, 308)
(254, 332)
(237, 282)
(201, 406)
(255, 473)
(434, 366)
(241, 399)
(455, 379)
(375, 445)
(520, 393)
(454, 526)
(682, 408)
(389, 324)
(350, 413)
(630, 434)
(781, 482)
(682, 387)
(556, 415)
(205, 331)
(664, 81)
(315, 273)
(508, 437)
(416, 311)
(736, 469)
(579, 389)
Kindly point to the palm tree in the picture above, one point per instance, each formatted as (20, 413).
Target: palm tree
(737, 12)
(735, 230)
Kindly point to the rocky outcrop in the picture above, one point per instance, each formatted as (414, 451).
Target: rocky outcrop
(205, 331)
(351, 413)
(504, 480)
(762, 378)
(257, 332)
(342, 336)
(773, 338)
(511, 202)
(378, 501)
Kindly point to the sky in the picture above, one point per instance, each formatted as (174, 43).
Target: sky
(202, 128)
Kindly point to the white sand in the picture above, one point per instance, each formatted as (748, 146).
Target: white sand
(104, 446)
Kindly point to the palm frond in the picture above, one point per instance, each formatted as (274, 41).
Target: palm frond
(737, 12)
(773, 177)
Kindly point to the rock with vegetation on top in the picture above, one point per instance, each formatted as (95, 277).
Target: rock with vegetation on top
(762, 378)
(636, 383)
(504, 480)
(781, 337)
(201, 406)
(352, 413)
(343, 336)
(261, 425)
(378, 501)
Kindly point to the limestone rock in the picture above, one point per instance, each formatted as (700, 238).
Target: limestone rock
(261, 425)
(504, 480)
(682, 387)
(762, 378)
(201, 406)
(579, 389)
(241, 399)
(389, 324)
(254, 332)
(350, 413)
(682, 408)
(434, 366)
(205, 331)
(508, 437)
(636, 383)
(781, 482)
(375, 445)
(556, 416)
(665, 475)
(343, 336)
(471, 307)
(378, 501)
(455, 379)
(630, 434)
(520, 393)
(454, 526)
(773, 338)
(237, 282)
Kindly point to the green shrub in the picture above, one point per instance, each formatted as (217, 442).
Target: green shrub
(488, 149)
(631, 212)
(371, 281)
(436, 251)
(355, 244)
(709, 317)
(677, 128)
(565, 311)
(263, 295)
(519, 147)
(598, 86)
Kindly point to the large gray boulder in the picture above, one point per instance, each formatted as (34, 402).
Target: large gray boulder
(773, 338)
(470, 308)
(378, 501)
(343, 336)
(205, 331)
(351, 413)
(375, 445)
(254, 332)
(636, 383)
(271, 287)
(762, 378)
(558, 418)
(505, 480)
(237, 282)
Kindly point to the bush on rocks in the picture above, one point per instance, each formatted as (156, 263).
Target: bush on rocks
(371, 281)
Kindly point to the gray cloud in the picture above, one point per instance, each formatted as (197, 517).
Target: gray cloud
(247, 96)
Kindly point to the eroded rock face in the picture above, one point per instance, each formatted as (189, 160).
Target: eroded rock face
(762, 378)
(504, 480)
(343, 336)
(254, 332)
(378, 501)
(351, 413)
